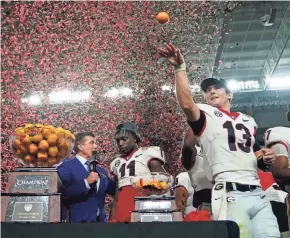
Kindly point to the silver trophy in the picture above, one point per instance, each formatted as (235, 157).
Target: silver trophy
(154, 203)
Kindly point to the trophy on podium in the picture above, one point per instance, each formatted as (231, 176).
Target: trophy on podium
(33, 192)
(157, 205)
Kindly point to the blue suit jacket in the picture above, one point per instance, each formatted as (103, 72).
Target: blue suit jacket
(83, 204)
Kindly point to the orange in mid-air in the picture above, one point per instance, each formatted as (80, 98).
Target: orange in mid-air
(162, 17)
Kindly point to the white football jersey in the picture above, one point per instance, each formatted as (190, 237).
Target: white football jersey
(183, 179)
(200, 174)
(281, 135)
(227, 142)
(124, 168)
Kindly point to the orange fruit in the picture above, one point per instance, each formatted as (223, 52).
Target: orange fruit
(52, 151)
(19, 131)
(43, 145)
(139, 184)
(51, 161)
(29, 125)
(33, 149)
(28, 128)
(46, 131)
(61, 154)
(164, 185)
(162, 17)
(52, 139)
(145, 183)
(36, 138)
(62, 143)
(29, 158)
(41, 164)
(41, 156)
(23, 149)
(16, 143)
(27, 140)
(18, 153)
(155, 184)
(59, 131)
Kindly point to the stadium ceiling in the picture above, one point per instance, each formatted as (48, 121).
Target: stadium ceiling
(254, 53)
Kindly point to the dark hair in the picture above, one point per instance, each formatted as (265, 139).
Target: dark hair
(288, 115)
(80, 138)
(129, 133)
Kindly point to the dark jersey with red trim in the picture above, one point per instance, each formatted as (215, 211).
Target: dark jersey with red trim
(227, 141)
(136, 164)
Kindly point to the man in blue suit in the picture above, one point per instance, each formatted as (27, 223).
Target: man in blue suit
(85, 190)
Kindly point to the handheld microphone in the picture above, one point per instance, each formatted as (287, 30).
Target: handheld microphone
(95, 160)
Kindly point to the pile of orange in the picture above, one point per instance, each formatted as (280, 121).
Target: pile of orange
(40, 145)
(155, 184)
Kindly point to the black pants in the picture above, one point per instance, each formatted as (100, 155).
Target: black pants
(280, 211)
(201, 196)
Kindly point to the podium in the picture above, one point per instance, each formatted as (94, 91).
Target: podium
(32, 195)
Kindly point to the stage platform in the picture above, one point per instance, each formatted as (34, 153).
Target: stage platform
(217, 229)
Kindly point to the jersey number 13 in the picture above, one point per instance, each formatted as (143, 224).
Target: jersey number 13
(245, 146)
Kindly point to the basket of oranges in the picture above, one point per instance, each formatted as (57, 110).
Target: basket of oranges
(152, 183)
(41, 145)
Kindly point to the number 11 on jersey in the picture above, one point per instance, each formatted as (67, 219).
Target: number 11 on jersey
(130, 166)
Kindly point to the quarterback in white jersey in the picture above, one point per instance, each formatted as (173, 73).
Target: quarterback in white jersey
(278, 139)
(183, 192)
(132, 161)
(227, 140)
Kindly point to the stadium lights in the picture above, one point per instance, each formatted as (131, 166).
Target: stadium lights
(68, 96)
(33, 99)
(166, 88)
(195, 88)
(279, 83)
(63, 96)
(243, 85)
(119, 92)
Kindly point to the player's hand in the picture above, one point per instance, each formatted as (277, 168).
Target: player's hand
(93, 177)
(172, 54)
(269, 155)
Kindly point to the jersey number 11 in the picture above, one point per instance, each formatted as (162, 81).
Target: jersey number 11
(130, 166)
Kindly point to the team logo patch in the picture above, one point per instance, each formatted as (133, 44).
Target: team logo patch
(28, 207)
(231, 199)
(219, 186)
(117, 163)
(218, 113)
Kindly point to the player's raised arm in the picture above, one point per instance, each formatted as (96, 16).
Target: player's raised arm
(183, 91)
(188, 151)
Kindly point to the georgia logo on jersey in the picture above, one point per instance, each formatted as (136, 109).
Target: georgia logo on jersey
(218, 113)
(117, 163)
